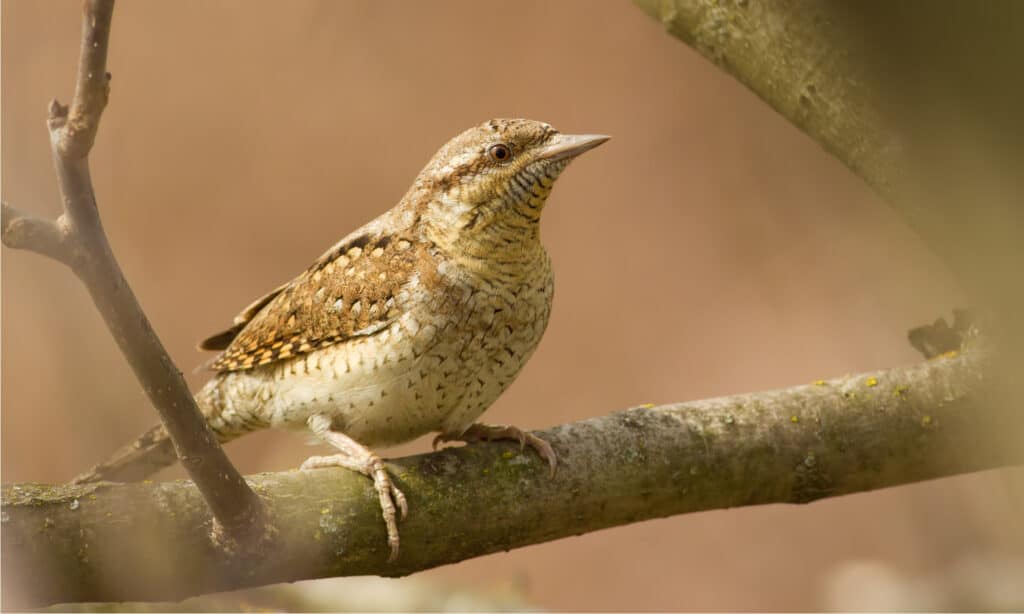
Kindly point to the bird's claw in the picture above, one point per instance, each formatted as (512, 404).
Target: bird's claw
(488, 432)
(391, 498)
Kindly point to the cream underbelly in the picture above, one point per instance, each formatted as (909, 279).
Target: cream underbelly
(374, 390)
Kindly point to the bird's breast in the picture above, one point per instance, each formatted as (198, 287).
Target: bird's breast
(511, 306)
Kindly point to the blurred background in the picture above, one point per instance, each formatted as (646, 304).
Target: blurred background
(709, 249)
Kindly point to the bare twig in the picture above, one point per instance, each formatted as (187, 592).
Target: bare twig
(78, 240)
(25, 231)
(92, 86)
(104, 542)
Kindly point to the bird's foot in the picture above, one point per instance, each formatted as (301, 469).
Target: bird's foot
(493, 432)
(358, 458)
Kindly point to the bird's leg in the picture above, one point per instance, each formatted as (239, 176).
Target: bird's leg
(357, 457)
(492, 432)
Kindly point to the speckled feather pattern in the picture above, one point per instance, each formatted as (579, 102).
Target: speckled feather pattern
(348, 293)
(436, 367)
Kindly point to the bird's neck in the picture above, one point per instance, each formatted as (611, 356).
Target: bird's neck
(499, 236)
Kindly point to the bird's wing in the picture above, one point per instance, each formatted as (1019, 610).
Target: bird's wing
(223, 339)
(349, 292)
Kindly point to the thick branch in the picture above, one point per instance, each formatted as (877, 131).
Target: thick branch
(864, 432)
(797, 56)
(912, 97)
(78, 240)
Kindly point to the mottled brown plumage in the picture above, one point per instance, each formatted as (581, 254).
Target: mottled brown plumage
(414, 323)
(348, 292)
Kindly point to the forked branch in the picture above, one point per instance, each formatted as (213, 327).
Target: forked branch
(77, 239)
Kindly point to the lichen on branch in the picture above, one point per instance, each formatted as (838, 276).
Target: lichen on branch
(114, 542)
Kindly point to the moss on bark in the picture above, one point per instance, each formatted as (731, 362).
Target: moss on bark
(150, 541)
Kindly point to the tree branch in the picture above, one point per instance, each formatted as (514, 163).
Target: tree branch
(912, 97)
(25, 231)
(78, 240)
(797, 57)
(121, 542)
(92, 87)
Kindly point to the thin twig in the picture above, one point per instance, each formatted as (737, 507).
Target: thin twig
(92, 87)
(25, 231)
(78, 240)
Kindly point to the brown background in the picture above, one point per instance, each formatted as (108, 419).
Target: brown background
(710, 248)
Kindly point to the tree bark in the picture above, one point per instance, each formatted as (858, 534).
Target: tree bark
(800, 58)
(112, 542)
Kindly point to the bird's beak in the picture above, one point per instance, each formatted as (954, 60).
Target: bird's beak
(566, 146)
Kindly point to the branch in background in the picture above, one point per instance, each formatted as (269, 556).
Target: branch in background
(797, 57)
(912, 97)
(105, 542)
(939, 338)
(362, 594)
(77, 239)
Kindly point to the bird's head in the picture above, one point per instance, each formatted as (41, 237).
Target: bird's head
(487, 186)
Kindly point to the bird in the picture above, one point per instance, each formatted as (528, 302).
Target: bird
(412, 324)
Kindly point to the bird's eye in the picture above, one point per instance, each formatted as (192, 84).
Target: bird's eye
(500, 152)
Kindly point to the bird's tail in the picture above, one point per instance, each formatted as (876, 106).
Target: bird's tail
(135, 462)
(153, 450)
